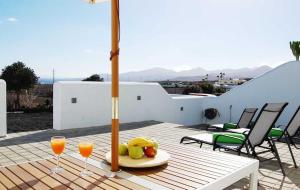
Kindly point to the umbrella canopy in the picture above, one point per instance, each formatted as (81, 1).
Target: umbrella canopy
(114, 57)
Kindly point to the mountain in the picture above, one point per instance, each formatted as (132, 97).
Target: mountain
(196, 74)
(159, 74)
(193, 72)
(243, 72)
(149, 75)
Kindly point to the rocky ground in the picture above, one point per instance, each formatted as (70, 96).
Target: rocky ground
(19, 122)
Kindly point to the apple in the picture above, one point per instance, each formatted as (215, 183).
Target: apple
(150, 152)
(123, 150)
(135, 152)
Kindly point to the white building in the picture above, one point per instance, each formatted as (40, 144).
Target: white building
(229, 83)
(85, 104)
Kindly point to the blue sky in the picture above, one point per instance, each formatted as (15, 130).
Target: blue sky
(74, 37)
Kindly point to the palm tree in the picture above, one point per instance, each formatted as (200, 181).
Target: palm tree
(295, 47)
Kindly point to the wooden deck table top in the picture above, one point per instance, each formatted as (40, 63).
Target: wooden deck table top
(188, 168)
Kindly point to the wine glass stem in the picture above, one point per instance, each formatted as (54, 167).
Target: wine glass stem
(57, 161)
(85, 164)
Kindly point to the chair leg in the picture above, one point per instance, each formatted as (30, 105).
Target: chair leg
(200, 144)
(293, 143)
(182, 139)
(287, 139)
(272, 143)
(253, 152)
(247, 149)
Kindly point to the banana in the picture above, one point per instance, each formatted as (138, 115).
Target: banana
(140, 141)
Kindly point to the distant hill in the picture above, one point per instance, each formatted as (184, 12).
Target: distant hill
(229, 73)
(158, 74)
(196, 74)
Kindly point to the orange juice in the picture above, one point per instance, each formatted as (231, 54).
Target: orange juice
(85, 149)
(58, 145)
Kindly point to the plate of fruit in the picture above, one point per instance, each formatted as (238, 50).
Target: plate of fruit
(140, 152)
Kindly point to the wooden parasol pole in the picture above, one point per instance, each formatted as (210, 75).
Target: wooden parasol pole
(114, 57)
(115, 86)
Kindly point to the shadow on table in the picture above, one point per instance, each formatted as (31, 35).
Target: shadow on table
(143, 171)
(45, 135)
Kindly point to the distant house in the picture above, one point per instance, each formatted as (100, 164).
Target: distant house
(229, 83)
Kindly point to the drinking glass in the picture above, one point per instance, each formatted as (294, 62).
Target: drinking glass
(85, 149)
(58, 144)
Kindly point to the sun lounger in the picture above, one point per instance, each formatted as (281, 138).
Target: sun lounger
(243, 122)
(288, 133)
(267, 117)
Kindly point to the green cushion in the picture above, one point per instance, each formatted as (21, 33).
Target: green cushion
(229, 126)
(238, 138)
(275, 132)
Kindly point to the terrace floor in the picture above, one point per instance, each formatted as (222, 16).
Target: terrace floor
(30, 146)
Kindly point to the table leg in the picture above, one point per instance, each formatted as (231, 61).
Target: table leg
(253, 180)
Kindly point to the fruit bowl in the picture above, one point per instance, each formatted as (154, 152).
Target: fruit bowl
(161, 158)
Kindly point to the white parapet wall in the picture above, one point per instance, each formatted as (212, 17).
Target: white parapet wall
(92, 103)
(278, 85)
(86, 104)
(3, 126)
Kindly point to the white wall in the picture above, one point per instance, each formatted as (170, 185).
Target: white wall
(3, 126)
(93, 107)
(94, 104)
(278, 85)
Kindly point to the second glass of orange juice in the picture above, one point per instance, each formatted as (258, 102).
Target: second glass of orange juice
(58, 144)
(85, 149)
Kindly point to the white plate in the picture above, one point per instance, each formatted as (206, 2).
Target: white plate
(161, 158)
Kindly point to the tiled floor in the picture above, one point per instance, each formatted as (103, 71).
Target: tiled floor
(29, 146)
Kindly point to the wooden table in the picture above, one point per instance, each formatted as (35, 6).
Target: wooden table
(189, 168)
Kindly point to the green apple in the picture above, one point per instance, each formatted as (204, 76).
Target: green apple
(123, 150)
(135, 152)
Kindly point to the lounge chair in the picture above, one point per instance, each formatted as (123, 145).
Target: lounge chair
(293, 128)
(288, 133)
(278, 134)
(243, 122)
(267, 117)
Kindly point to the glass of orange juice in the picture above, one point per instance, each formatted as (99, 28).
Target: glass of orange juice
(85, 149)
(58, 144)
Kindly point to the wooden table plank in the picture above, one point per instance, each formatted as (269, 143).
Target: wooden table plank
(86, 182)
(45, 178)
(8, 183)
(2, 186)
(46, 167)
(15, 179)
(118, 183)
(28, 178)
(94, 178)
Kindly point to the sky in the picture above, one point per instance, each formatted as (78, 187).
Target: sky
(73, 37)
